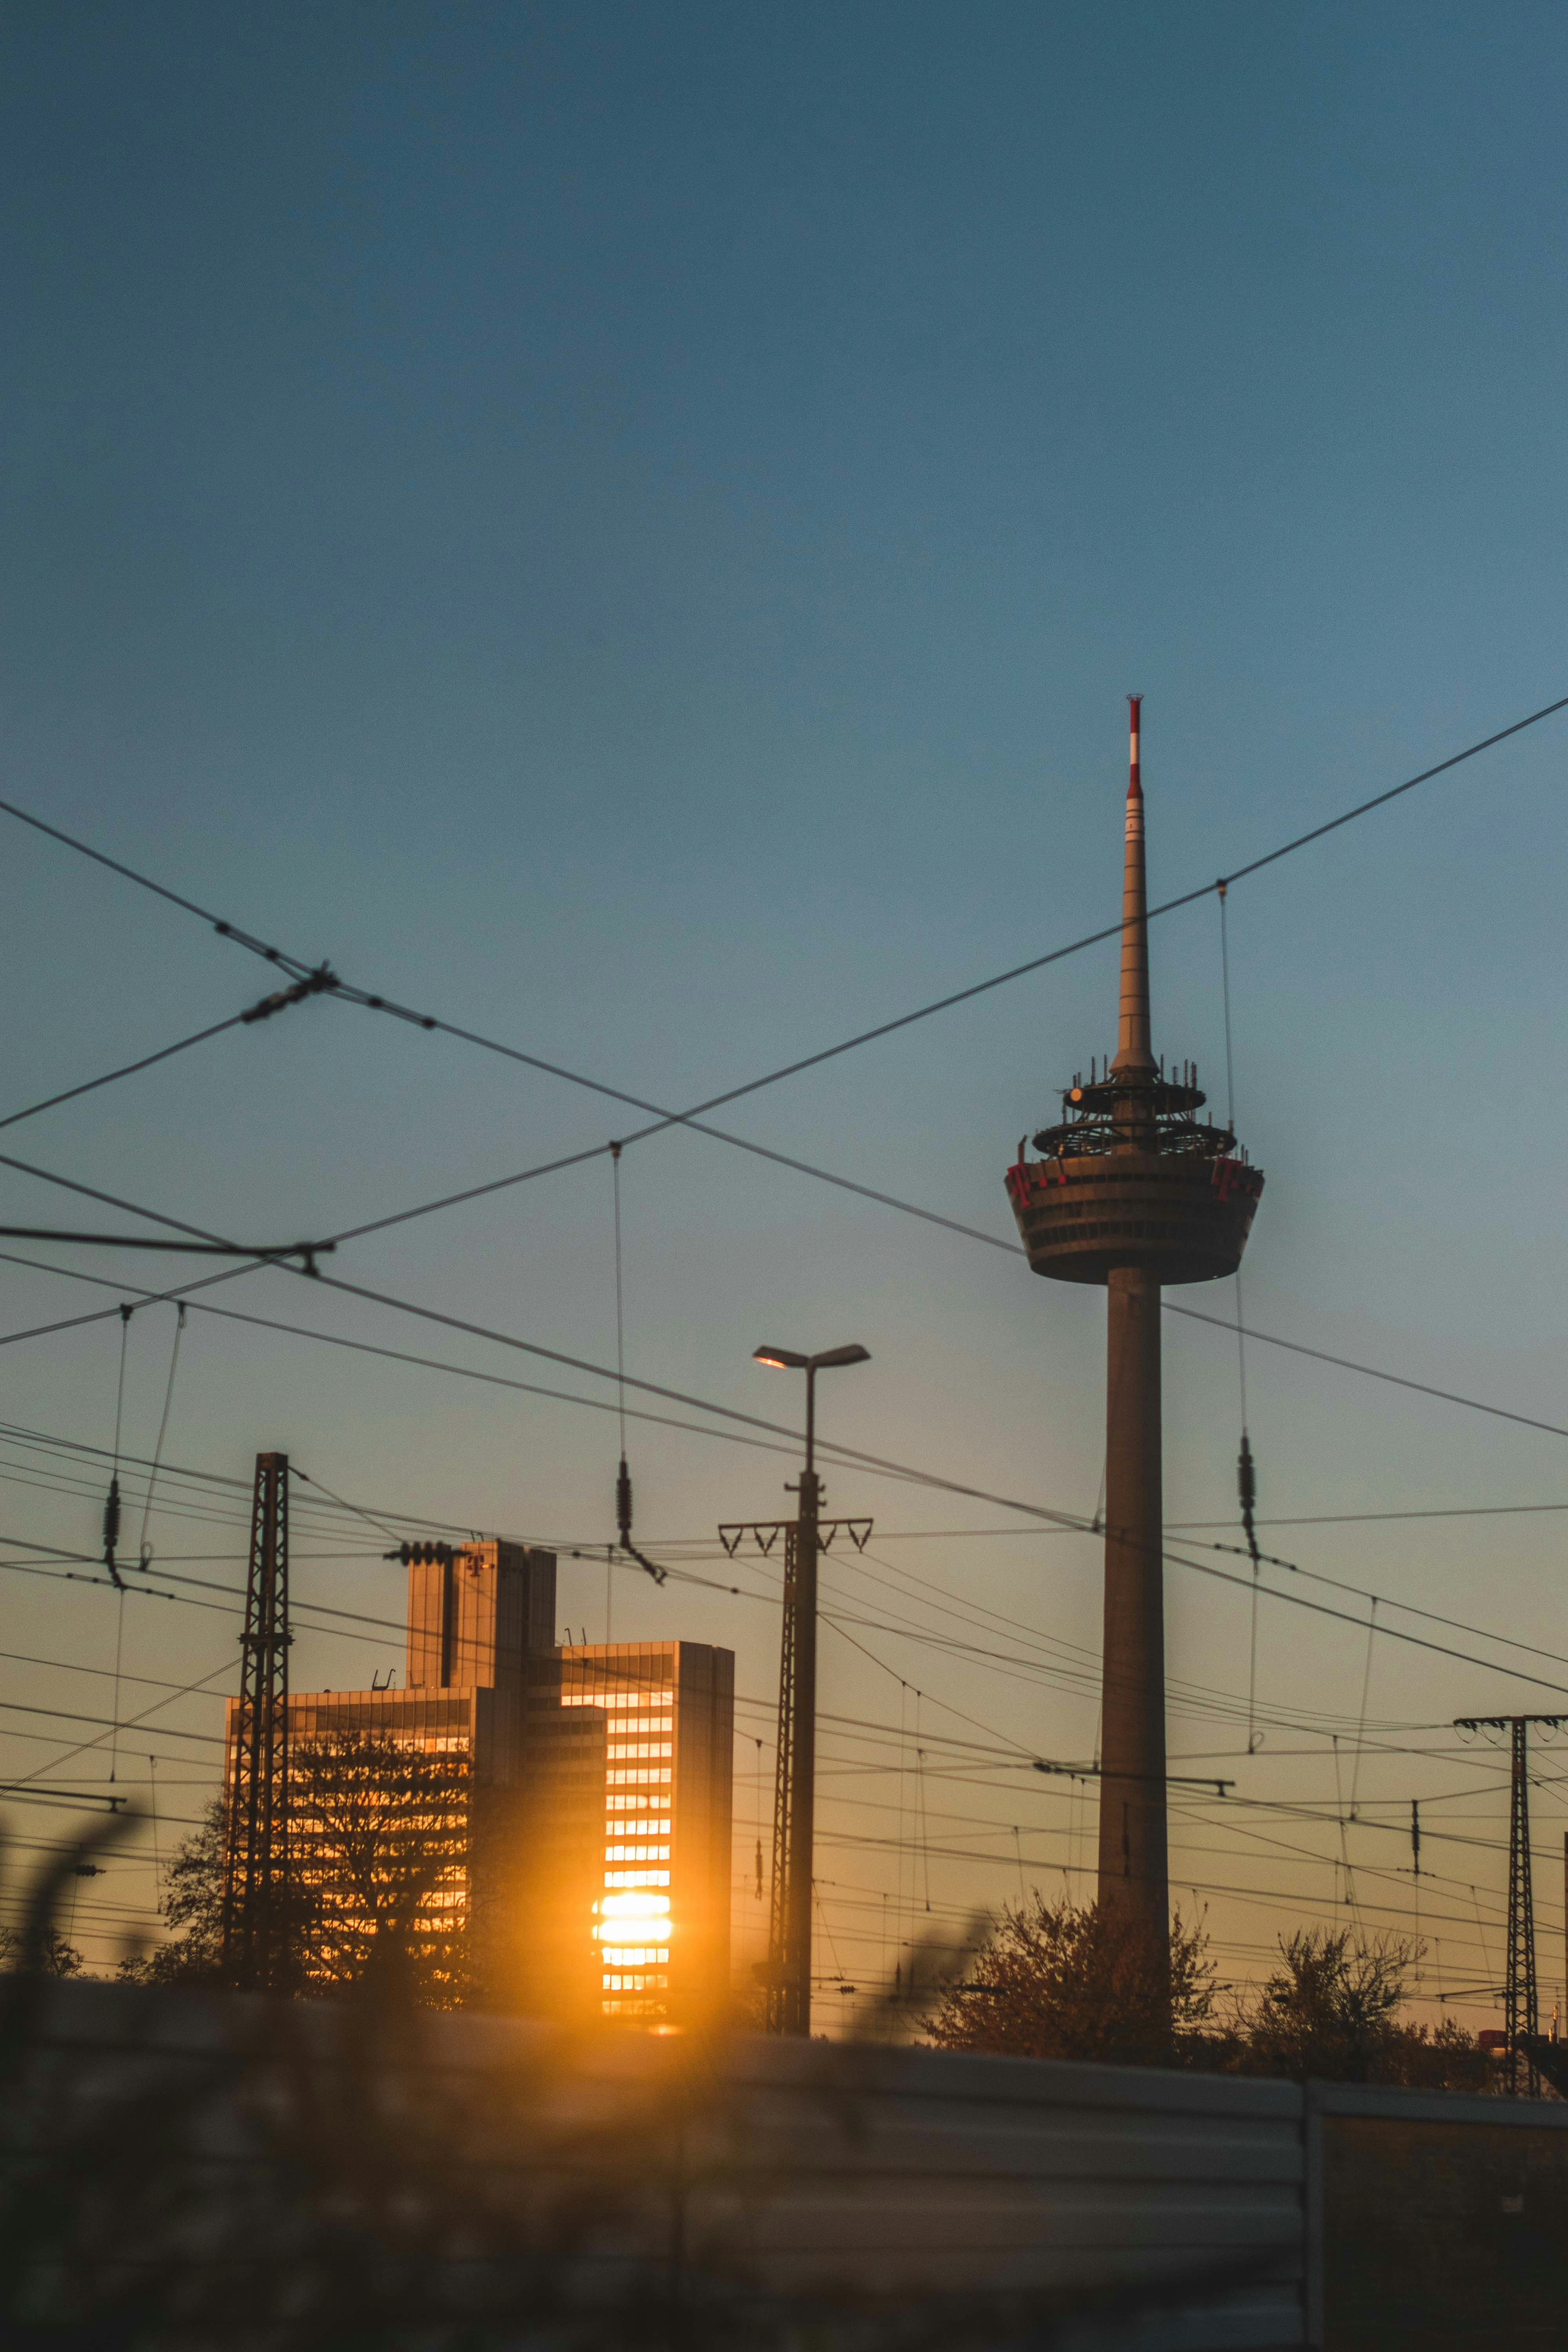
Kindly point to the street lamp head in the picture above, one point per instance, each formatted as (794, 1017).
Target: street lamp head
(786, 1359)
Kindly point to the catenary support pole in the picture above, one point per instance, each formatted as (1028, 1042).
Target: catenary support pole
(256, 1874)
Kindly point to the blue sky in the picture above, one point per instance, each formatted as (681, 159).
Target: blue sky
(631, 529)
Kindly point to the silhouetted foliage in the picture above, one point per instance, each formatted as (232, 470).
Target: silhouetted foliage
(380, 1853)
(1330, 2011)
(1070, 1980)
(381, 1838)
(1062, 1981)
(55, 1956)
(191, 1904)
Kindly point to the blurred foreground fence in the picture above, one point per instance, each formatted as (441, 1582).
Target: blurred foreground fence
(181, 2170)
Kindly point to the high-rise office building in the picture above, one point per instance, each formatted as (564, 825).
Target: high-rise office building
(522, 1817)
(662, 1923)
(588, 1817)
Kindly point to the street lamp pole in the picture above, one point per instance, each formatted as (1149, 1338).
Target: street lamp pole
(795, 1811)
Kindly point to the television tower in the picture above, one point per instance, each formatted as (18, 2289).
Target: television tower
(1134, 1190)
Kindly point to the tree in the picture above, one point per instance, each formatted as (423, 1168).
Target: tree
(380, 1847)
(1071, 1981)
(54, 1956)
(1330, 2010)
(191, 1903)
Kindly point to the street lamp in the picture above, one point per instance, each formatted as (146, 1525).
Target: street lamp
(789, 1975)
(784, 1360)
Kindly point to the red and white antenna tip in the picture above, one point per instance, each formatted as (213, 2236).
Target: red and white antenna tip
(1134, 784)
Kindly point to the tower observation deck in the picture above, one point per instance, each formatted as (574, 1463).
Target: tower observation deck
(1132, 1190)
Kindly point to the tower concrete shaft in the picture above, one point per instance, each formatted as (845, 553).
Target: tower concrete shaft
(1133, 1881)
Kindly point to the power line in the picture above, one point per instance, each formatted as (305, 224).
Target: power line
(752, 1421)
(886, 1200)
(127, 1069)
(534, 1347)
(903, 1472)
(806, 1062)
(197, 1233)
(1345, 1364)
(393, 1355)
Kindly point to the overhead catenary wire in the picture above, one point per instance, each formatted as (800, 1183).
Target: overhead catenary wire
(196, 1234)
(886, 1200)
(927, 1738)
(1326, 828)
(1188, 1530)
(1246, 1467)
(143, 1552)
(111, 1533)
(971, 1233)
(856, 1456)
(358, 1617)
(127, 1070)
(623, 1474)
(852, 1454)
(381, 1003)
(1068, 1522)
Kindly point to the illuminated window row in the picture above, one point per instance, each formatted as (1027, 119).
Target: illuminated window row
(646, 1980)
(636, 1804)
(631, 1778)
(638, 1854)
(641, 1699)
(619, 1753)
(637, 1878)
(634, 1955)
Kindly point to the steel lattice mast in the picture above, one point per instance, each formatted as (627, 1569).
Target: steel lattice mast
(255, 1876)
(1521, 2005)
(789, 1951)
(1520, 1999)
(1131, 1191)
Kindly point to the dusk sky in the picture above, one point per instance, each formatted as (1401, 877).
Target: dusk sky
(630, 528)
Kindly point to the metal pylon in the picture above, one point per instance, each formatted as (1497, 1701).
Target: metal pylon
(1520, 2007)
(781, 2001)
(256, 1875)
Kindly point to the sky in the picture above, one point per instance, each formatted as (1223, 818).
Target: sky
(630, 530)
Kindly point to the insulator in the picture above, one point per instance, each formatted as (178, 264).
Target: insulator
(111, 1522)
(1247, 1490)
(624, 1502)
